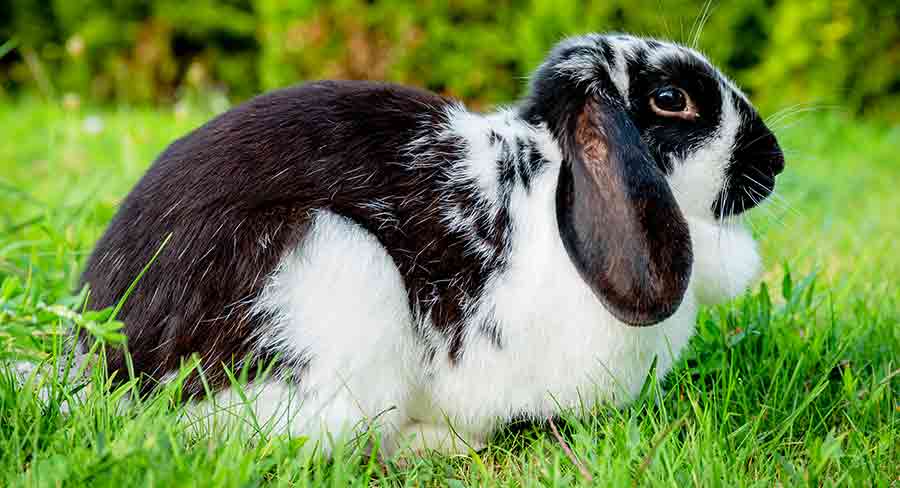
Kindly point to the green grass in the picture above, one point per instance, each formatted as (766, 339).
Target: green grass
(797, 383)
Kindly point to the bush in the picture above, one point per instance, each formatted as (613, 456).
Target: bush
(784, 52)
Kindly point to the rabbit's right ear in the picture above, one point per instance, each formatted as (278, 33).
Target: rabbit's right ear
(618, 218)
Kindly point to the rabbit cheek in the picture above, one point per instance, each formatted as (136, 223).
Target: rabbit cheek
(755, 162)
(701, 176)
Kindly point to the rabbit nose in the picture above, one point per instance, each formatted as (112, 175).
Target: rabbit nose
(766, 152)
(777, 162)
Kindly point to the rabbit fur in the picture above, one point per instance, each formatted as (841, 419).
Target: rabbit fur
(404, 263)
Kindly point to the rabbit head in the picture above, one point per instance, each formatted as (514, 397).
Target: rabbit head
(650, 133)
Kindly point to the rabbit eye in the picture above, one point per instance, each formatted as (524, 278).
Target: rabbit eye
(673, 102)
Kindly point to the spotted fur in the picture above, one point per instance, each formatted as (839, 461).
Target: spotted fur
(401, 260)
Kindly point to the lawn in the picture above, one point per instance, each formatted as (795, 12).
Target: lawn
(796, 383)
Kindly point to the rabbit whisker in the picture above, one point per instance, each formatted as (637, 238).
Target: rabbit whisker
(775, 196)
(700, 23)
(760, 202)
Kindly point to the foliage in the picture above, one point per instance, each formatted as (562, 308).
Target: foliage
(784, 51)
(795, 384)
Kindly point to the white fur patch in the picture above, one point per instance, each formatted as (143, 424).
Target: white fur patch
(340, 306)
(69, 368)
(620, 74)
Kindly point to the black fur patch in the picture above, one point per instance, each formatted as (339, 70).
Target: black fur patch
(238, 193)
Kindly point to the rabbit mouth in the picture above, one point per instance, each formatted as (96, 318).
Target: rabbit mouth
(751, 174)
(743, 193)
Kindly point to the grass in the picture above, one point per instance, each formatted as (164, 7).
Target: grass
(796, 383)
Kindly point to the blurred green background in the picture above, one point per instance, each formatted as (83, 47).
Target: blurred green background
(843, 54)
(795, 384)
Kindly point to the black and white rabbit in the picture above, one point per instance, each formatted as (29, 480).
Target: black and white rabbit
(405, 262)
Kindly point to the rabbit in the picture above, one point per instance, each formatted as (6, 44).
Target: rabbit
(405, 264)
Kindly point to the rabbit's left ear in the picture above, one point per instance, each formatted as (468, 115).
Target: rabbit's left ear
(618, 218)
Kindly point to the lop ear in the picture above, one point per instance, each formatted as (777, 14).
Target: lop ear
(618, 218)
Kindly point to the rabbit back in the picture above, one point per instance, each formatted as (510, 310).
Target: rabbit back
(237, 194)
